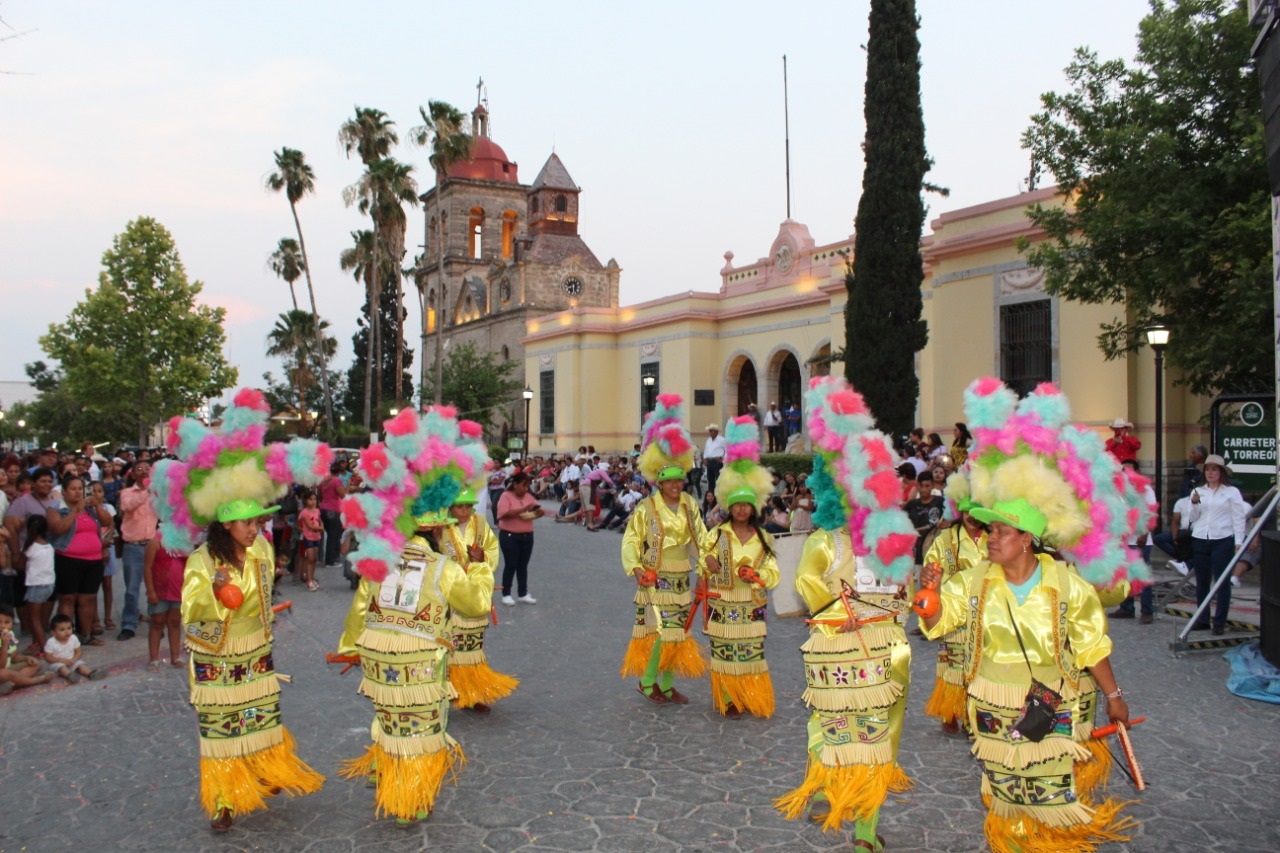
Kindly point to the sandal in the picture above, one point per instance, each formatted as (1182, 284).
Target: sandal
(93, 641)
(109, 625)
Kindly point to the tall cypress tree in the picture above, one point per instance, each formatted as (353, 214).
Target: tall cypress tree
(883, 326)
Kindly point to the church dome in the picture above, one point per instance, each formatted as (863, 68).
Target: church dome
(488, 163)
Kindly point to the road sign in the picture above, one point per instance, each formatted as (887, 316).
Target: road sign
(1245, 436)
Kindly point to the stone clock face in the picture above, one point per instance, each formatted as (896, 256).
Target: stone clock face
(573, 286)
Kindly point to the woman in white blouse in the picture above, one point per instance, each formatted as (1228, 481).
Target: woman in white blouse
(1218, 515)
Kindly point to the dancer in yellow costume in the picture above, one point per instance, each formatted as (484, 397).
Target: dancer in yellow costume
(1035, 804)
(853, 577)
(401, 620)
(960, 546)
(1060, 513)
(739, 567)
(213, 488)
(402, 630)
(246, 753)
(663, 534)
(469, 543)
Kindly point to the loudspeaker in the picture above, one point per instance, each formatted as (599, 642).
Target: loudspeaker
(1270, 602)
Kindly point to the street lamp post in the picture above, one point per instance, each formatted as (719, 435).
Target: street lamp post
(1158, 339)
(527, 393)
(646, 404)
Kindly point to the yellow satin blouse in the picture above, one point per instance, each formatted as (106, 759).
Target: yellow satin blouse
(1038, 623)
(468, 593)
(675, 529)
(752, 551)
(200, 605)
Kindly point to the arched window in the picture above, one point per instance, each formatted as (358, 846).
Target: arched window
(506, 353)
(533, 204)
(475, 232)
(562, 204)
(431, 311)
(508, 234)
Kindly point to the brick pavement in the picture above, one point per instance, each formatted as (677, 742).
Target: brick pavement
(576, 760)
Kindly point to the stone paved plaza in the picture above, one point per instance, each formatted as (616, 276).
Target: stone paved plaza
(577, 760)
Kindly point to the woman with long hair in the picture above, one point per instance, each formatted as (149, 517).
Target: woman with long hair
(246, 753)
(740, 567)
(960, 443)
(214, 488)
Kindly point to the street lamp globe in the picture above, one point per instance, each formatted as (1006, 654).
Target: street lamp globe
(527, 393)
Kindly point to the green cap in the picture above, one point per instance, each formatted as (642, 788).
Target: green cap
(434, 518)
(671, 472)
(964, 505)
(1016, 513)
(466, 496)
(741, 495)
(243, 510)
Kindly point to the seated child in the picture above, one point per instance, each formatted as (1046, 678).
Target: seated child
(16, 670)
(62, 653)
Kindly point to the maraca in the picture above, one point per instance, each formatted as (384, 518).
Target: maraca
(647, 577)
(927, 601)
(749, 575)
(231, 596)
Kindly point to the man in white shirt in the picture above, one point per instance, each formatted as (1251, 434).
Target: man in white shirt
(713, 455)
(773, 427)
(572, 473)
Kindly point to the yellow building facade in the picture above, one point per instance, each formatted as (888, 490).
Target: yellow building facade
(769, 326)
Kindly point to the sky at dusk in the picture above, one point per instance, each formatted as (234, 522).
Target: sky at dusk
(669, 116)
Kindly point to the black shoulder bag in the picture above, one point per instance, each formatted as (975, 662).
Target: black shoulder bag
(1040, 708)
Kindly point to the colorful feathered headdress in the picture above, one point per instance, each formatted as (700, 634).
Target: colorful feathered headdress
(854, 480)
(742, 468)
(1027, 449)
(420, 468)
(666, 443)
(226, 463)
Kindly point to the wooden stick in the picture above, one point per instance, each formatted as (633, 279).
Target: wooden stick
(1138, 782)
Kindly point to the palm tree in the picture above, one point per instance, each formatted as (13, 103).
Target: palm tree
(294, 336)
(286, 262)
(381, 193)
(443, 130)
(370, 135)
(297, 179)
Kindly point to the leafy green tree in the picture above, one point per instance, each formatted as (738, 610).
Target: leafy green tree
(477, 383)
(140, 348)
(55, 416)
(298, 179)
(1163, 164)
(361, 379)
(286, 262)
(443, 129)
(883, 326)
(293, 339)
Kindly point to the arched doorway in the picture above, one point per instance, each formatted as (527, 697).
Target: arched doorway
(789, 383)
(747, 387)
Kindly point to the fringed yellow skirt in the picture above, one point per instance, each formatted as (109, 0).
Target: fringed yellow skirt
(947, 702)
(660, 616)
(246, 754)
(412, 753)
(739, 673)
(858, 692)
(469, 671)
(1036, 803)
